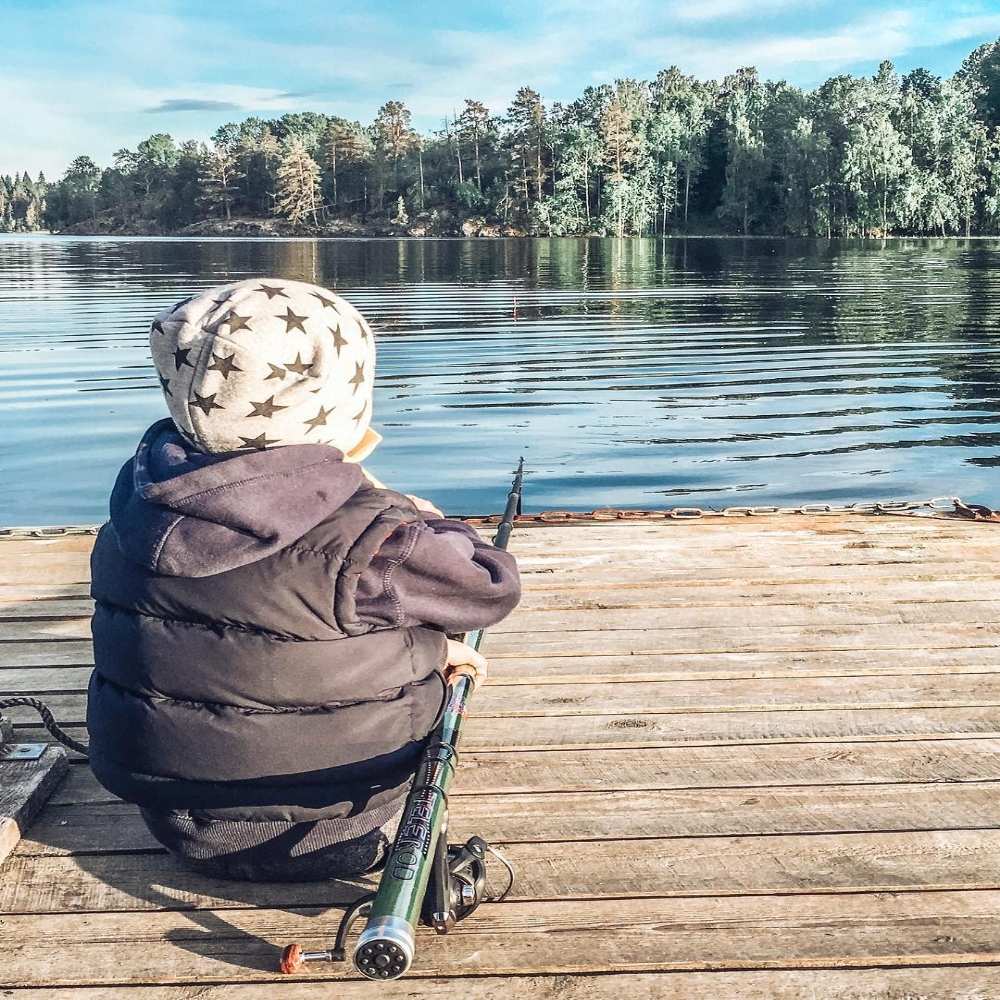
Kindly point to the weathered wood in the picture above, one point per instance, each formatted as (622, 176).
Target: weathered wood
(602, 732)
(741, 766)
(745, 744)
(721, 866)
(687, 597)
(940, 982)
(34, 628)
(613, 668)
(670, 697)
(25, 785)
(612, 814)
(573, 937)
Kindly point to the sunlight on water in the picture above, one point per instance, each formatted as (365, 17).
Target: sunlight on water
(641, 373)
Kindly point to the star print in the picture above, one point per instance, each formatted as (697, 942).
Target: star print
(359, 376)
(260, 442)
(181, 358)
(265, 408)
(206, 403)
(271, 291)
(236, 322)
(276, 372)
(299, 366)
(222, 301)
(165, 385)
(359, 416)
(327, 303)
(183, 302)
(292, 321)
(157, 327)
(225, 365)
(338, 339)
(320, 418)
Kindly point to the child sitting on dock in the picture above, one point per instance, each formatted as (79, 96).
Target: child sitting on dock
(270, 626)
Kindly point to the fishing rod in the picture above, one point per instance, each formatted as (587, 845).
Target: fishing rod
(424, 879)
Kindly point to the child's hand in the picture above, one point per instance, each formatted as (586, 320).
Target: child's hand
(425, 505)
(463, 659)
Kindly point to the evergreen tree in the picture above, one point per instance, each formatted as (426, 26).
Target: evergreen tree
(298, 179)
(218, 177)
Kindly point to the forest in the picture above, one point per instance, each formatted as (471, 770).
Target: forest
(858, 156)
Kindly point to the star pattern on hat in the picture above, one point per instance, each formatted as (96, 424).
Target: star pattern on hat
(258, 443)
(293, 322)
(266, 408)
(339, 340)
(165, 386)
(358, 379)
(181, 358)
(157, 327)
(271, 291)
(206, 403)
(276, 372)
(235, 322)
(320, 419)
(327, 303)
(225, 365)
(183, 302)
(298, 366)
(360, 415)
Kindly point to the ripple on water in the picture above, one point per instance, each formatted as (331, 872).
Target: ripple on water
(637, 373)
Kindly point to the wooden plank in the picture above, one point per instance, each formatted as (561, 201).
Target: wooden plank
(750, 639)
(25, 785)
(950, 982)
(609, 815)
(715, 594)
(615, 668)
(868, 930)
(53, 609)
(602, 732)
(735, 617)
(725, 866)
(565, 701)
(26, 604)
(551, 574)
(46, 654)
(33, 628)
(760, 766)
(882, 643)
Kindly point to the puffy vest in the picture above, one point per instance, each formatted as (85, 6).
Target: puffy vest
(256, 693)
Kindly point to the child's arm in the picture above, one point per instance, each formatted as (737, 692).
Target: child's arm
(440, 573)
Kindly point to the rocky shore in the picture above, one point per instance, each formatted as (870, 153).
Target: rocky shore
(420, 226)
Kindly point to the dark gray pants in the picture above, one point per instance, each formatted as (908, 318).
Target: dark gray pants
(271, 851)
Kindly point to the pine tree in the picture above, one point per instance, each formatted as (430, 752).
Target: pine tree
(298, 182)
(217, 177)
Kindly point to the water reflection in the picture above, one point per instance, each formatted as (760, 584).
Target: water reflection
(631, 373)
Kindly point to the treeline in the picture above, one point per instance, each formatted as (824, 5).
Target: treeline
(858, 156)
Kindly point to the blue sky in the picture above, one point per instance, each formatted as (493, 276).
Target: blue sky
(93, 77)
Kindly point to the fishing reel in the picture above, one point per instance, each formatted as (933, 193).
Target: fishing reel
(457, 886)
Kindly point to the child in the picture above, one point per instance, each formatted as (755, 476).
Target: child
(270, 626)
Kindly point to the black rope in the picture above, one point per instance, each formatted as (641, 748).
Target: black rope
(48, 720)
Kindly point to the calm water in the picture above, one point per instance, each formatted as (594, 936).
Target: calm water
(641, 373)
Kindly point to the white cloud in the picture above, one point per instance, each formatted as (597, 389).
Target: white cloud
(715, 10)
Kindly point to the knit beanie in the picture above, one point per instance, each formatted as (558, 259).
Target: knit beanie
(263, 363)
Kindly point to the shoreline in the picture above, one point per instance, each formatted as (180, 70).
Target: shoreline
(286, 234)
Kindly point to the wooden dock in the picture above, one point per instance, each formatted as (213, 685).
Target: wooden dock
(753, 758)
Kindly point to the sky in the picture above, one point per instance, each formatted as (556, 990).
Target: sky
(96, 77)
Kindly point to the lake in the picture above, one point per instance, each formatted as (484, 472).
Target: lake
(637, 373)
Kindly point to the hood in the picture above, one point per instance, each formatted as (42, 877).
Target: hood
(181, 512)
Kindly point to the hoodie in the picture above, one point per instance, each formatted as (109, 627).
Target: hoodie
(268, 634)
